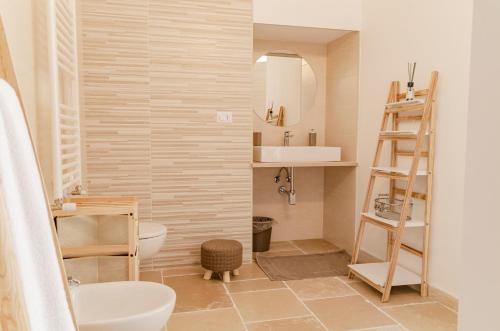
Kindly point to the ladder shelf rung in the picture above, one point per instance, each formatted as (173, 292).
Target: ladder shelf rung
(405, 107)
(418, 93)
(399, 171)
(408, 152)
(412, 250)
(415, 118)
(396, 135)
(377, 219)
(376, 273)
(404, 103)
(415, 195)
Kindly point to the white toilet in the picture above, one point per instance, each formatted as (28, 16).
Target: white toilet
(151, 238)
(122, 306)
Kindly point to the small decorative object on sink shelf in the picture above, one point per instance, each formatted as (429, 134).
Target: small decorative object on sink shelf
(390, 208)
(410, 92)
(257, 138)
(312, 137)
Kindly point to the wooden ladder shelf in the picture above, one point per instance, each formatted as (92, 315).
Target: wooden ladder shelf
(382, 276)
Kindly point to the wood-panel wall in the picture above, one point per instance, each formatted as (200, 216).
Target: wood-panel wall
(154, 73)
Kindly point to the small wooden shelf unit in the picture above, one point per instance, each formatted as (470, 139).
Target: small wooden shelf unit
(106, 206)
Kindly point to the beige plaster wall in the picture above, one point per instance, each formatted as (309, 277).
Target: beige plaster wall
(391, 37)
(342, 79)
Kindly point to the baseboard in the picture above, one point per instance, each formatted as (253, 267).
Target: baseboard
(445, 298)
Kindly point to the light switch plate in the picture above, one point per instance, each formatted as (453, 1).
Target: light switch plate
(224, 117)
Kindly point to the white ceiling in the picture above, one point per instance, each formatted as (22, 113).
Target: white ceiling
(296, 33)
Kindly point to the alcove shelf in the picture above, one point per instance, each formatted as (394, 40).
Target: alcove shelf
(304, 164)
(121, 210)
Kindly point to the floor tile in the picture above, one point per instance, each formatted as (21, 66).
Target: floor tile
(151, 276)
(249, 271)
(314, 246)
(346, 279)
(292, 324)
(211, 320)
(268, 305)
(444, 299)
(195, 293)
(253, 285)
(348, 313)
(400, 295)
(319, 288)
(424, 317)
(338, 302)
(387, 328)
(179, 271)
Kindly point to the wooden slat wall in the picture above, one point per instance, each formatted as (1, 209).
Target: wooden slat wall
(177, 62)
(115, 91)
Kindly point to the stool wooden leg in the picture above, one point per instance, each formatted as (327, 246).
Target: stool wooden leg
(236, 272)
(226, 277)
(208, 274)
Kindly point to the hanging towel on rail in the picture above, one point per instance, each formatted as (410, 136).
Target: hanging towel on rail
(35, 251)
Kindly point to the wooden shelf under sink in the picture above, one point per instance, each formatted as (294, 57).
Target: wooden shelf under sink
(304, 164)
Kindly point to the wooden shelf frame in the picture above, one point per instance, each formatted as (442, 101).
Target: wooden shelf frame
(106, 206)
(95, 250)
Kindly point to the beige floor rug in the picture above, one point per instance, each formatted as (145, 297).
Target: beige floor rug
(297, 267)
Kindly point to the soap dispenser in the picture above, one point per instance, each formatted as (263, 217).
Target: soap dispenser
(312, 138)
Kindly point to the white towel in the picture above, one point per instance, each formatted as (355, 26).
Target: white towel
(28, 217)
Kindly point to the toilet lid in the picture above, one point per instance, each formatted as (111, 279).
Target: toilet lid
(151, 230)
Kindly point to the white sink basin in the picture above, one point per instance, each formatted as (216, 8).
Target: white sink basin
(295, 154)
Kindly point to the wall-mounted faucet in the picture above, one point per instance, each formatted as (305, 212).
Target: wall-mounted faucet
(286, 138)
(290, 179)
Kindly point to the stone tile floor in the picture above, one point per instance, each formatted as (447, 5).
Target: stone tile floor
(251, 302)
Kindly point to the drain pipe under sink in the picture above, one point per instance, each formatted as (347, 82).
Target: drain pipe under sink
(290, 179)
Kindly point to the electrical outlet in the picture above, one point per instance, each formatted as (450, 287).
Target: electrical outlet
(224, 117)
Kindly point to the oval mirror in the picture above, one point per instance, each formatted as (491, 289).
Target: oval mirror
(284, 88)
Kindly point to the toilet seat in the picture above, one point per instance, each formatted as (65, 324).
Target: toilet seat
(149, 230)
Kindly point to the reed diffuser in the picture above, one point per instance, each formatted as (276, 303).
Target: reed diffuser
(410, 91)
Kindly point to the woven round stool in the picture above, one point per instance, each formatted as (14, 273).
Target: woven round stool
(221, 255)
